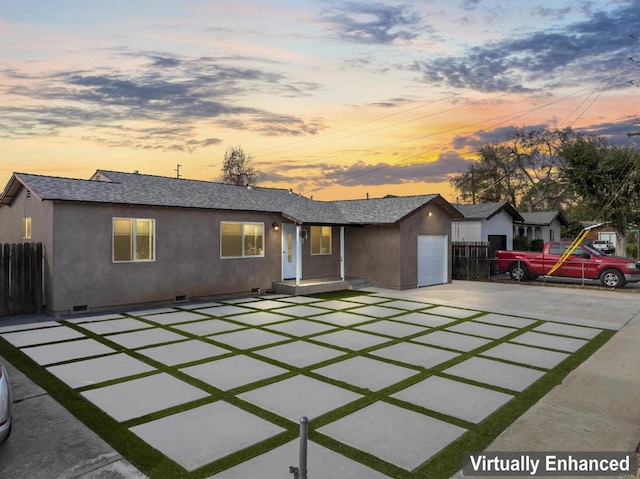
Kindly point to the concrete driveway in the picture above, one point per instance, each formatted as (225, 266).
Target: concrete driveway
(398, 376)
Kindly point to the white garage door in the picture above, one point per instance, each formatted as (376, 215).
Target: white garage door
(433, 258)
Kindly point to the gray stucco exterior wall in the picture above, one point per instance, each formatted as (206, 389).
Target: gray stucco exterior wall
(187, 257)
(387, 255)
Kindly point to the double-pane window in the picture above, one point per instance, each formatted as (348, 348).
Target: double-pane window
(241, 239)
(133, 239)
(321, 240)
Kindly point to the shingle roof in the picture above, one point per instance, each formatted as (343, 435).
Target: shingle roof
(384, 210)
(544, 218)
(132, 188)
(486, 211)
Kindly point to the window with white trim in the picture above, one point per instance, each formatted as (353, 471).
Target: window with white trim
(321, 240)
(134, 239)
(26, 228)
(239, 239)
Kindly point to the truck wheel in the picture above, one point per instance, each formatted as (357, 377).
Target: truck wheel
(519, 272)
(612, 278)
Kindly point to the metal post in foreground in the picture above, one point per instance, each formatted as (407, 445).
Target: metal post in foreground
(300, 472)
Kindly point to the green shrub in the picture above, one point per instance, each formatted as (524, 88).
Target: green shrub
(632, 250)
(537, 245)
(521, 243)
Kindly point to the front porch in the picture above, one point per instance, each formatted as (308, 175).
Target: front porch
(318, 285)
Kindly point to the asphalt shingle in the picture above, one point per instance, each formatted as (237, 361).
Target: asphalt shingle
(138, 189)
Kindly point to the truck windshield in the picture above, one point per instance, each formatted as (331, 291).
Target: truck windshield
(591, 250)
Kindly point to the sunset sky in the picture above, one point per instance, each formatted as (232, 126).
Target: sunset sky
(335, 99)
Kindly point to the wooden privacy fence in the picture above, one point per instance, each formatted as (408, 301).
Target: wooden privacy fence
(471, 260)
(21, 283)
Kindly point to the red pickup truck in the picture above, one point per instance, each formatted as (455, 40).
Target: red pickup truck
(585, 262)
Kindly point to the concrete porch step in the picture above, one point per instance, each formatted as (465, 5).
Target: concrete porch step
(318, 285)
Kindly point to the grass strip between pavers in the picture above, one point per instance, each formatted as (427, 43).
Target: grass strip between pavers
(444, 464)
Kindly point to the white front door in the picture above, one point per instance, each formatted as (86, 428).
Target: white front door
(433, 259)
(288, 250)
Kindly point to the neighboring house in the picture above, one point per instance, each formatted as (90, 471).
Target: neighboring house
(125, 239)
(544, 225)
(492, 222)
(604, 232)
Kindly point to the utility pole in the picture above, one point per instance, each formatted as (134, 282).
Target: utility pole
(177, 170)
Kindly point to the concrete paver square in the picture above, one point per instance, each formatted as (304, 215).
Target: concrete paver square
(183, 352)
(526, 355)
(97, 317)
(41, 336)
(58, 352)
(249, 338)
(300, 353)
(205, 434)
(549, 341)
(98, 370)
(10, 328)
(453, 312)
(459, 342)
(175, 317)
(481, 329)
(396, 435)
(415, 354)
(226, 310)
(367, 299)
(146, 312)
(568, 330)
(406, 305)
(145, 337)
(210, 326)
(259, 317)
(267, 304)
(502, 320)
(348, 339)
(338, 304)
(244, 300)
(301, 327)
(142, 396)
(499, 374)
(342, 318)
(115, 326)
(301, 310)
(232, 372)
(454, 398)
(207, 304)
(299, 396)
(301, 299)
(321, 463)
(392, 328)
(424, 319)
(376, 311)
(366, 373)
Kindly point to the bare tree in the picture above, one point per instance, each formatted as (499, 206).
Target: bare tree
(237, 168)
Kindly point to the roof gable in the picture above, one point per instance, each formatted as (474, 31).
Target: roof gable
(544, 218)
(486, 211)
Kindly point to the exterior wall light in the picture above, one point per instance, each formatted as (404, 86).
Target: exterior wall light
(276, 226)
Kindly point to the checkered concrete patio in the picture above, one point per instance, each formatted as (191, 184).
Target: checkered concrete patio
(218, 388)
